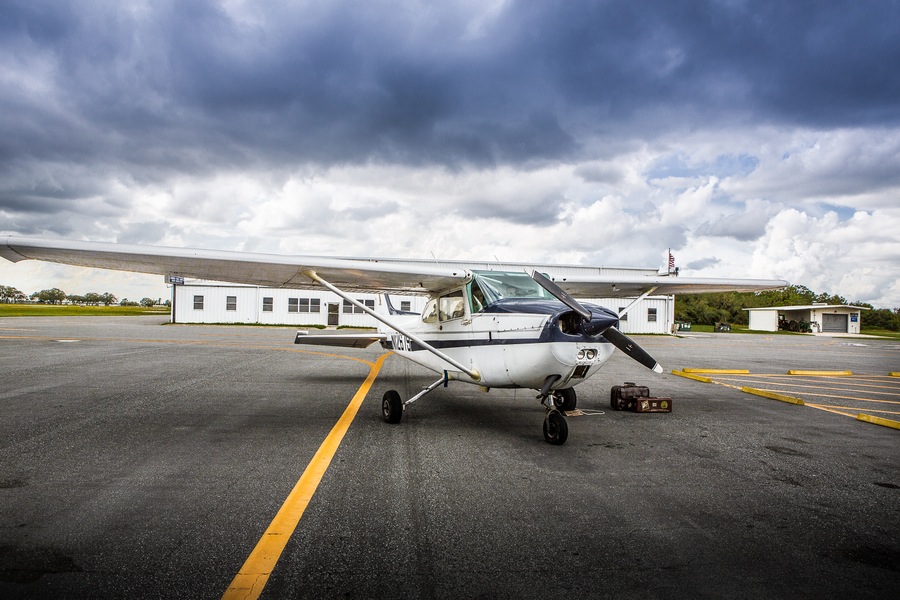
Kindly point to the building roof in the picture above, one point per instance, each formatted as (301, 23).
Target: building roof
(809, 307)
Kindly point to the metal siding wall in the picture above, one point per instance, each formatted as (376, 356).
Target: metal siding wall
(763, 320)
(638, 321)
(250, 304)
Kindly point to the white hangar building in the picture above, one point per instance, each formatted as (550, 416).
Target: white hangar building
(822, 318)
(196, 301)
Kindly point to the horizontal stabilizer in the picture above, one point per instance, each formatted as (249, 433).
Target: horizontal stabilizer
(343, 340)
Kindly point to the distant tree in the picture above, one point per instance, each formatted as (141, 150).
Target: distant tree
(127, 302)
(148, 302)
(92, 298)
(881, 318)
(107, 299)
(167, 304)
(51, 296)
(10, 294)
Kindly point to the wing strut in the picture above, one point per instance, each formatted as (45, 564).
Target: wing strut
(475, 375)
(636, 300)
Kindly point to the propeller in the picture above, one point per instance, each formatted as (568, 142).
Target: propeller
(613, 335)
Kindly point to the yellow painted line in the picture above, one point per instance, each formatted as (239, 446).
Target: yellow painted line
(821, 373)
(690, 376)
(894, 374)
(878, 421)
(718, 371)
(831, 410)
(856, 408)
(773, 395)
(847, 387)
(254, 574)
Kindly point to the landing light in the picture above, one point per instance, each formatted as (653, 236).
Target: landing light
(591, 354)
(580, 355)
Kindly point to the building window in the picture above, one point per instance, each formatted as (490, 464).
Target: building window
(198, 302)
(625, 316)
(651, 315)
(352, 309)
(304, 305)
(405, 305)
(230, 302)
(268, 304)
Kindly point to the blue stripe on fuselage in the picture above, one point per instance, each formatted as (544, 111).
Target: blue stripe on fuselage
(551, 332)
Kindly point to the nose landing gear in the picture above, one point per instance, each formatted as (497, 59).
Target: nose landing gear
(556, 430)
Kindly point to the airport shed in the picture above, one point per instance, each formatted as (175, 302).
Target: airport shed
(197, 301)
(822, 318)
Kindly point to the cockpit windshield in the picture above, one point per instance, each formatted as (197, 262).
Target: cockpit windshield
(496, 285)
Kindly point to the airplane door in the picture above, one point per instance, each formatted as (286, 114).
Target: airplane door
(455, 327)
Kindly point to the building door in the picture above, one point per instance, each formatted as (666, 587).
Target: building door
(834, 323)
(334, 314)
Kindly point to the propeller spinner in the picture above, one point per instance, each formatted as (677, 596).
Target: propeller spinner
(613, 335)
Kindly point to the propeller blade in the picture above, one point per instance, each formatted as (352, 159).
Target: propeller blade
(561, 294)
(629, 347)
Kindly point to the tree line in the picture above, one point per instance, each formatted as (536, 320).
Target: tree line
(57, 296)
(728, 307)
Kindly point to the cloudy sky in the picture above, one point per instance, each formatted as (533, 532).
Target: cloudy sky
(755, 138)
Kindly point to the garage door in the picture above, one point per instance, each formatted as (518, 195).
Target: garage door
(834, 323)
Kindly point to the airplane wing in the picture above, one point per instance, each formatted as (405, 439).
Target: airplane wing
(350, 274)
(267, 270)
(598, 286)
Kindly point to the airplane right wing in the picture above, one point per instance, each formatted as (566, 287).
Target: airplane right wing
(599, 286)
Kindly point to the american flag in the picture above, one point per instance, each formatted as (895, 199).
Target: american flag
(671, 262)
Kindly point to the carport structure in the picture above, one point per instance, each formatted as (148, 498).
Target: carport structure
(820, 318)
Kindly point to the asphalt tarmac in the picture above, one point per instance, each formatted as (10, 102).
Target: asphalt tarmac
(147, 460)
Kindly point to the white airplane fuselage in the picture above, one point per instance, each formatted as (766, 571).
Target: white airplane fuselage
(508, 348)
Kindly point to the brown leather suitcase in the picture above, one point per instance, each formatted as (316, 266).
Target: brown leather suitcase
(622, 397)
(653, 405)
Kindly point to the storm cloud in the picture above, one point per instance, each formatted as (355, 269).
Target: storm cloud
(305, 126)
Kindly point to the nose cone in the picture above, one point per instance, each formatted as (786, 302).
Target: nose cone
(601, 320)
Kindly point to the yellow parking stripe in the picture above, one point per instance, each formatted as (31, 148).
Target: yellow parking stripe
(254, 574)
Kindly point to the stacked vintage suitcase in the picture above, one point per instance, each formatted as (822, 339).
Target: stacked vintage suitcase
(637, 398)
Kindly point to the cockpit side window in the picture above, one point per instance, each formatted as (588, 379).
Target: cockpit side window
(477, 299)
(452, 306)
(430, 314)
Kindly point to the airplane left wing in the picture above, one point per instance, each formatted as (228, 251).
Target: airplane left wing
(597, 286)
(267, 270)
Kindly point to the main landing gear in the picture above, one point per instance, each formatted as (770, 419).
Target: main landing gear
(392, 406)
(556, 429)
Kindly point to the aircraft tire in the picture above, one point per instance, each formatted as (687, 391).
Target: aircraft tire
(565, 400)
(556, 430)
(391, 407)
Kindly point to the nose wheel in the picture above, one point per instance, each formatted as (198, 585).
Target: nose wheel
(556, 430)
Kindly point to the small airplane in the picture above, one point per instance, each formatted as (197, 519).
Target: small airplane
(494, 329)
